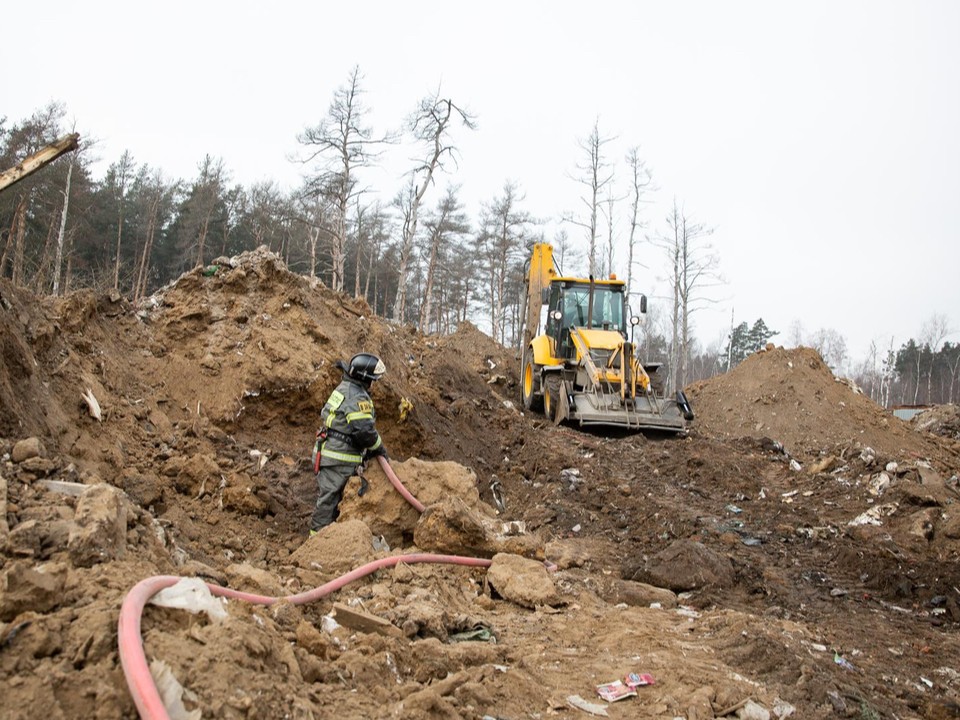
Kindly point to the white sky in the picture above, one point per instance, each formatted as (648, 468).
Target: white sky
(820, 140)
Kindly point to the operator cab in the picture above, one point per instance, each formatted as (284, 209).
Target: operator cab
(569, 306)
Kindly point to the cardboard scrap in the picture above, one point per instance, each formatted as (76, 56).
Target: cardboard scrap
(364, 622)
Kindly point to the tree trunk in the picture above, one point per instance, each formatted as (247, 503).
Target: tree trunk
(58, 262)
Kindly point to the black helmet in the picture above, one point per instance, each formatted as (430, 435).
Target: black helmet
(366, 367)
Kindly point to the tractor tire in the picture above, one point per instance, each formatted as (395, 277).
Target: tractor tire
(530, 384)
(551, 396)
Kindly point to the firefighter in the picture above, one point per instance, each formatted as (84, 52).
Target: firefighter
(348, 437)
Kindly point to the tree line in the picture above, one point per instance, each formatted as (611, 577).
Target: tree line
(416, 256)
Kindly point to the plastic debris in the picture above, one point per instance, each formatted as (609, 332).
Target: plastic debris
(843, 662)
(637, 679)
(193, 595)
(588, 707)
(616, 690)
(172, 692)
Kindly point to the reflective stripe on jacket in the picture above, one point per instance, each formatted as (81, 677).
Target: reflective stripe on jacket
(349, 411)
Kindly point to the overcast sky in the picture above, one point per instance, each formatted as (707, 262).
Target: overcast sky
(819, 140)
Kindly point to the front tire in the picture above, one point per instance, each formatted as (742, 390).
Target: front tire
(530, 384)
(551, 397)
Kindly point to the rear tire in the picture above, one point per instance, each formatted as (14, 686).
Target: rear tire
(530, 384)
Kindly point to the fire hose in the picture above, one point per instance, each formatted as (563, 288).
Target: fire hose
(133, 659)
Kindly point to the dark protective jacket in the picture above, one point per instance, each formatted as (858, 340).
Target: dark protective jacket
(350, 418)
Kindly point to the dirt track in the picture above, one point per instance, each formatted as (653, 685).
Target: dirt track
(797, 527)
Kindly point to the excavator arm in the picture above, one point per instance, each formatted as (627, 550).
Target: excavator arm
(37, 160)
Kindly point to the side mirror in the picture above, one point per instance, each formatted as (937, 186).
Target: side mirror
(643, 304)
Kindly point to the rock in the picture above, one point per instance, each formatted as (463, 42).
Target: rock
(26, 449)
(753, 711)
(100, 530)
(567, 553)
(921, 523)
(951, 526)
(193, 475)
(636, 594)
(4, 529)
(243, 576)
(521, 581)
(823, 465)
(240, 496)
(688, 565)
(38, 466)
(387, 513)
(337, 549)
(452, 527)
(35, 589)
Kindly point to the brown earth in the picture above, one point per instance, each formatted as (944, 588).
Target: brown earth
(797, 551)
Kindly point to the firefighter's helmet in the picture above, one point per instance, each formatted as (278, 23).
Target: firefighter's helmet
(366, 368)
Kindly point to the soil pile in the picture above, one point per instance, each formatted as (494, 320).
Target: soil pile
(797, 551)
(792, 397)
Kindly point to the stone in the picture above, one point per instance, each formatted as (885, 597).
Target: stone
(521, 581)
(688, 565)
(100, 530)
(29, 448)
(36, 589)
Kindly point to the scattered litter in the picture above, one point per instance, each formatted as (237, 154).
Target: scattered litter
(496, 490)
(329, 625)
(480, 633)
(616, 690)
(571, 476)
(588, 707)
(752, 541)
(193, 595)
(782, 709)
(873, 515)
(576, 528)
(93, 407)
(734, 509)
(637, 679)
(795, 466)
(172, 692)
(843, 662)
(928, 683)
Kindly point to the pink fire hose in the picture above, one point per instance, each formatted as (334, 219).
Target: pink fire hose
(134, 661)
(395, 481)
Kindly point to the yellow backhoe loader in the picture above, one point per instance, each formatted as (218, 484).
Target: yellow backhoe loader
(582, 367)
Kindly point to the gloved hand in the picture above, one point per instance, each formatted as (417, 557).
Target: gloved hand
(376, 452)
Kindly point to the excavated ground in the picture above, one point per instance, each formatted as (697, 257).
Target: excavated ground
(796, 554)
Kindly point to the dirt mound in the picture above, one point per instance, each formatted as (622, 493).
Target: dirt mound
(942, 420)
(198, 466)
(792, 397)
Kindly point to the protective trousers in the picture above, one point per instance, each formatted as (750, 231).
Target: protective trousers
(331, 480)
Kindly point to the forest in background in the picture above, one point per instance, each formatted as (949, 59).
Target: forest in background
(419, 256)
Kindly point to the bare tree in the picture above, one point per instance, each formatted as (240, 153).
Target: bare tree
(448, 220)
(641, 182)
(502, 237)
(430, 126)
(123, 173)
(564, 251)
(694, 269)
(342, 143)
(933, 332)
(61, 234)
(832, 347)
(595, 175)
